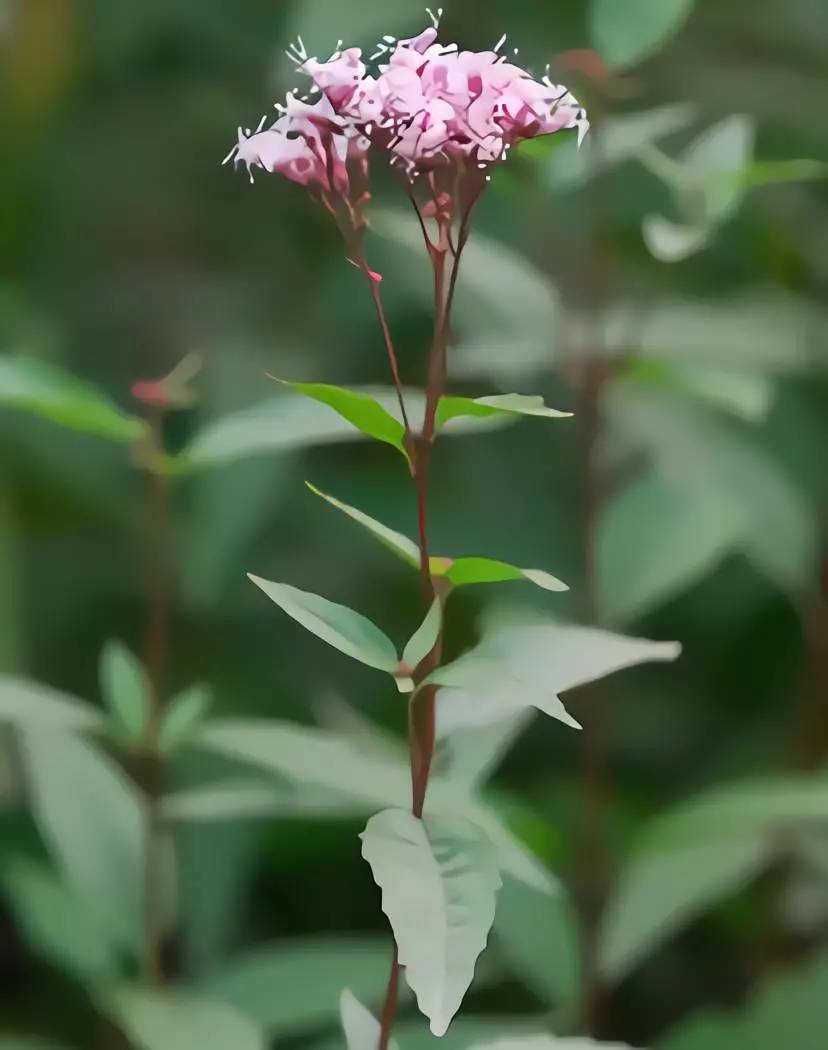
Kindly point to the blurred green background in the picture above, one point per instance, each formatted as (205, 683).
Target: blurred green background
(668, 285)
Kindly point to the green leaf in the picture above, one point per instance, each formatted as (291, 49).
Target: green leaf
(80, 801)
(463, 571)
(183, 716)
(362, 1030)
(161, 1020)
(659, 893)
(280, 424)
(30, 704)
(360, 410)
(23, 1042)
(59, 925)
(339, 626)
(424, 638)
(439, 878)
(628, 31)
(523, 665)
(697, 853)
(126, 691)
(398, 544)
(308, 975)
(538, 935)
(656, 539)
(459, 571)
(45, 390)
(788, 1011)
(496, 405)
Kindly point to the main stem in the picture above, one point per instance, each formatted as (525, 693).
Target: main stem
(149, 771)
(421, 710)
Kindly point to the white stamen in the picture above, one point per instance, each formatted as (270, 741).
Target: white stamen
(389, 39)
(301, 44)
(247, 132)
(500, 43)
(230, 155)
(261, 123)
(516, 51)
(435, 20)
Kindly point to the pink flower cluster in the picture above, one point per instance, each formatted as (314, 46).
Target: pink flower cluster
(429, 106)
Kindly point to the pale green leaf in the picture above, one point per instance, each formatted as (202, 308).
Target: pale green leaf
(360, 410)
(30, 704)
(45, 390)
(339, 626)
(398, 544)
(617, 139)
(466, 1031)
(182, 717)
(538, 935)
(293, 985)
(80, 799)
(321, 759)
(251, 800)
(549, 1042)
(706, 166)
(58, 924)
(628, 31)
(716, 458)
(439, 878)
(656, 539)
(523, 665)
(494, 405)
(362, 1030)
(670, 242)
(161, 1020)
(424, 638)
(125, 690)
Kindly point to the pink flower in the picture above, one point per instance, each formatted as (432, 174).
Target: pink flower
(429, 105)
(308, 144)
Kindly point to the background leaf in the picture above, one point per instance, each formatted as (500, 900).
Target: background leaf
(80, 798)
(45, 390)
(156, 1020)
(24, 703)
(125, 690)
(627, 31)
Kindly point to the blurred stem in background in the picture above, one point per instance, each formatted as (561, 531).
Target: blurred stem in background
(148, 765)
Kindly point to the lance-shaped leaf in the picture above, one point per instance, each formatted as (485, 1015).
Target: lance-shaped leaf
(495, 405)
(439, 878)
(528, 664)
(362, 1030)
(346, 630)
(45, 390)
(424, 638)
(30, 704)
(360, 410)
(398, 544)
(459, 572)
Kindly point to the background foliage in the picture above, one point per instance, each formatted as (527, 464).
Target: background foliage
(678, 261)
